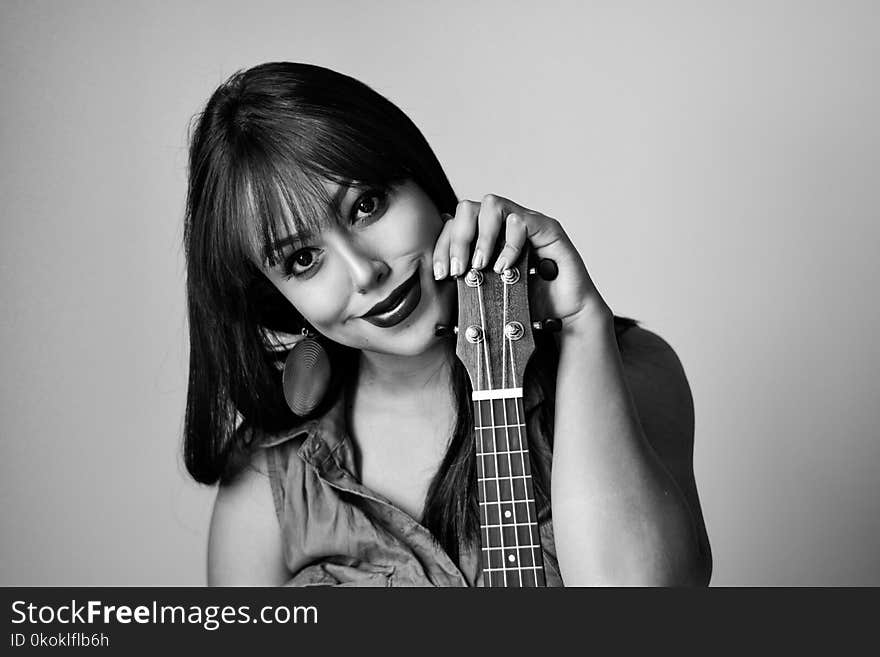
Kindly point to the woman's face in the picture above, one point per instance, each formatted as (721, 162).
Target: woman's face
(367, 282)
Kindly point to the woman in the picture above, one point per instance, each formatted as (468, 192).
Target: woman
(317, 211)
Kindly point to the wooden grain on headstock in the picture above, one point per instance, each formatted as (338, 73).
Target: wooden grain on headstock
(482, 309)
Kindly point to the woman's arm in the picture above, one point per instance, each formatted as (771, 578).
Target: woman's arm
(244, 543)
(619, 515)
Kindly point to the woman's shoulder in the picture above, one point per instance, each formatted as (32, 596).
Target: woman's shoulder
(654, 371)
(244, 540)
(656, 379)
(663, 399)
(662, 395)
(639, 345)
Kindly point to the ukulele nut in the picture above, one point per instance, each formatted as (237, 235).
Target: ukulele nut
(474, 278)
(510, 275)
(474, 334)
(513, 331)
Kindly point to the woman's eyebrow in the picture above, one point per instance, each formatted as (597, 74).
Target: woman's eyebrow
(294, 238)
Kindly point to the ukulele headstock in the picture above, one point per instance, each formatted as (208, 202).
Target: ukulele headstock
(495, 338)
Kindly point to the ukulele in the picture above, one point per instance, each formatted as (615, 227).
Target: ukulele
(495, 343)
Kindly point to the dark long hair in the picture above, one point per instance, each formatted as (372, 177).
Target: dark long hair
(261, 149)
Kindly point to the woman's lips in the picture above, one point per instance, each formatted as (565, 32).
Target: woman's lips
(400, 306)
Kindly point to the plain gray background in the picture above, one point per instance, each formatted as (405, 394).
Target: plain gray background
(717, 164)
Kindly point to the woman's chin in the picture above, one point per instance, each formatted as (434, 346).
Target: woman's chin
(412, 340)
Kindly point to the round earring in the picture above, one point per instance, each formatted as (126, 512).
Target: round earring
(306, 374)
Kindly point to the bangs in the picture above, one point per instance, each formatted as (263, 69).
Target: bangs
(284, 194)
(281, 204)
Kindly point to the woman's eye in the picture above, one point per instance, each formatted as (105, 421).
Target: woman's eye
(371, 203)
(300, 262)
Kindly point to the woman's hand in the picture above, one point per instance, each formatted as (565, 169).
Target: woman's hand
(469, 238)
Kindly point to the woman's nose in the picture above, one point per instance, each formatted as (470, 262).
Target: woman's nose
(366, 270)
(367, 273)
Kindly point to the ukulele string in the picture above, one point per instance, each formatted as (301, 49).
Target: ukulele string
(525, 462)
(481, 451)
(504, 341)
(485, 337)
(484, 510)
(485, 343)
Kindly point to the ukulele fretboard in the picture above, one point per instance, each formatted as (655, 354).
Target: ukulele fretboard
(511, 544)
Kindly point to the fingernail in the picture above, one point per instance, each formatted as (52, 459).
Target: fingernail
(500, 264)
(446, 216)
(477, 260)
(439, 270)
(455, 267)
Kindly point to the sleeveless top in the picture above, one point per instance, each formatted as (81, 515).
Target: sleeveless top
(337, 532)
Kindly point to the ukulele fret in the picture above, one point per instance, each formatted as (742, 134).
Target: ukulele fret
(504, 477)
(504, 451)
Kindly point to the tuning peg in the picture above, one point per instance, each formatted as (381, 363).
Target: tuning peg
(546, 269)
(551, 325)
(445, 331)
